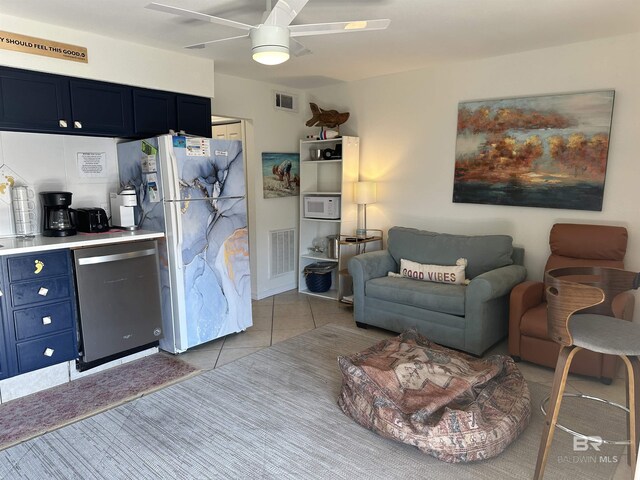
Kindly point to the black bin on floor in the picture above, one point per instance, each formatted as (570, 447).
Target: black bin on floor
(317, 276)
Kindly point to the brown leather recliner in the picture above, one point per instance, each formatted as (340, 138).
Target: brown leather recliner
(572, 245)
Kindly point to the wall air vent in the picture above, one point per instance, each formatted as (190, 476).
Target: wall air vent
(285, 101)
(282, 251)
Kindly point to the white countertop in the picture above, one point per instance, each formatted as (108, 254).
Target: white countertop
(13, 245)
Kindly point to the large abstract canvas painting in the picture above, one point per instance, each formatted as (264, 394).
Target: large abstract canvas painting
(544, 151)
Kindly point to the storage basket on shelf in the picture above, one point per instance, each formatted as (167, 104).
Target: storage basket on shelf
(318, 276)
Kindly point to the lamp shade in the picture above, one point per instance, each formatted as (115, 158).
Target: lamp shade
(364, 193)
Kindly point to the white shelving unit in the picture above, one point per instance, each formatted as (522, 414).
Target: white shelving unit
(333, 177)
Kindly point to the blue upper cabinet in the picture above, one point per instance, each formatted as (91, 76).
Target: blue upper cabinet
(100, 108)
(194, 115)
(154, 112)
(33, 99)
(47, 103)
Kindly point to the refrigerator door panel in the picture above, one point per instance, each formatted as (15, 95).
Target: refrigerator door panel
(215, 253)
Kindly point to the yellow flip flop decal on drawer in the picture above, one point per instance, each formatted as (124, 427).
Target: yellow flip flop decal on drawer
(39, 266)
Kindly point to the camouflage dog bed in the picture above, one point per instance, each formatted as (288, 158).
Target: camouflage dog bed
(448, 404)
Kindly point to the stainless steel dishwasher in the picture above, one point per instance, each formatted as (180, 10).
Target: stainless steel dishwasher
(119, 298)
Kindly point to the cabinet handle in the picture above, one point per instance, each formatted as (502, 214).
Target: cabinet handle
(43, 291)
(48, 352)
(62, 123)
(46, 320)
(77, 124)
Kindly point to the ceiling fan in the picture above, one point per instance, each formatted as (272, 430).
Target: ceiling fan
(271, 40)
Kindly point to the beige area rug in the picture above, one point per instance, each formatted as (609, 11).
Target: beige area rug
(273, 415)
(41, 412)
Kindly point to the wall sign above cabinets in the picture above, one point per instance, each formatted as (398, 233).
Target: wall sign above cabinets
(46, 103)
(40, 46)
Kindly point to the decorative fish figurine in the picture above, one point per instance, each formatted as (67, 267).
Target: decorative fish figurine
(326, 118)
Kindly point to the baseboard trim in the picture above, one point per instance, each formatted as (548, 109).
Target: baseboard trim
(274, 291)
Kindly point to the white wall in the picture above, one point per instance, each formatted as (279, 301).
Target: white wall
(50, 162)
(112, 60)
(268, 130)
(407, 125)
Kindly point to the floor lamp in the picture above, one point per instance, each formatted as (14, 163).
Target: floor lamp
(363, 194)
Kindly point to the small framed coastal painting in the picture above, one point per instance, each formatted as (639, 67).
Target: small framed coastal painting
(280, 174)
(545, 151)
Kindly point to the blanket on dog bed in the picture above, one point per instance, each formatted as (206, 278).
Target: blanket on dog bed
(448, 404)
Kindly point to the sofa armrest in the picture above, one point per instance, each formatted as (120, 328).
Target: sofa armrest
(494, 284)
(486, 306)
(363, 268)
(371, 265)
(524, 297)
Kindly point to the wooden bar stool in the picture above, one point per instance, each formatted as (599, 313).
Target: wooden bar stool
(579, 317)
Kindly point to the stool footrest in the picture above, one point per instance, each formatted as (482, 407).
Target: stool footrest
(582, 435)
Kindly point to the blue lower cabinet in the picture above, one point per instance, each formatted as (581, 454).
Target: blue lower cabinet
(4, 367)
(40, 291)
(44, 320)
(46, 351)
(40, 313)
(37, 265)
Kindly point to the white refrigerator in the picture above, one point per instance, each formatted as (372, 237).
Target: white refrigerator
(193, 189)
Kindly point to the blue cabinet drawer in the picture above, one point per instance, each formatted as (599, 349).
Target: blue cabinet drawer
(38, 265)
(36, 321)
(42, 352)
(39, 291)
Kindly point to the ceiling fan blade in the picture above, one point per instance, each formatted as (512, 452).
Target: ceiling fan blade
(338, 27)
(297, 49)
(197, 15)
(204, 44)
(284, 12)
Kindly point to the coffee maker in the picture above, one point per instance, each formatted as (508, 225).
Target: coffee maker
(123, 207)
(56, 221)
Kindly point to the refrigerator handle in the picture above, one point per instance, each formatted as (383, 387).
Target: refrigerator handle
(175, 212)
(174, 184)
(175, 207)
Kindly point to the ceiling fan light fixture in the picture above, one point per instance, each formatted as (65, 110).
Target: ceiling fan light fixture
(270, 44)
(271, 55)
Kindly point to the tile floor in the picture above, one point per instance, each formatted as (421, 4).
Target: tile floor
(290, 313)
(275, 319)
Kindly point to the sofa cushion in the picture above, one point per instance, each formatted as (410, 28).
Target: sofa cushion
(483, 252)
(439, 297)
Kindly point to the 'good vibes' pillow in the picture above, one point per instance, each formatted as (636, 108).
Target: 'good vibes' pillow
(434, 273)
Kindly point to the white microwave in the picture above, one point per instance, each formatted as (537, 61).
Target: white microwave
(322, 206)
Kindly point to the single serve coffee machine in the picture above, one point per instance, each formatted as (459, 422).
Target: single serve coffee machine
(123, 207)
(56, 221)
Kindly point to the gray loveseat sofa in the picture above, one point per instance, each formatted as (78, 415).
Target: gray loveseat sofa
(466, 317)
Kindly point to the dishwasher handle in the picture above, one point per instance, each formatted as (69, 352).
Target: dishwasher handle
(116, 256)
